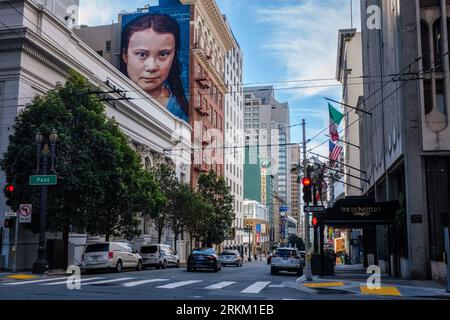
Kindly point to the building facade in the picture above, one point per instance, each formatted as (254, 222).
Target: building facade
(256, 222)
(405, 144)
(234, 137)
(34, 56)
(296, 191)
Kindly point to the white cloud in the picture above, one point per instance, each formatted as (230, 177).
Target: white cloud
(304, 41)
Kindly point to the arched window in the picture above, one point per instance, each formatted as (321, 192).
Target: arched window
(425, 36)
(148, 163)
(438, 45)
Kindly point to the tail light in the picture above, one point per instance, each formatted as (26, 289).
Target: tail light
(110, 255)
(210, 258)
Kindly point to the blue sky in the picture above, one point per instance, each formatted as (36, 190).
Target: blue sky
(283, 41)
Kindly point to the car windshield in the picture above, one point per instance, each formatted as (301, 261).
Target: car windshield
(98, 247)
(203, 251)
(149, 249)
(286, 253)
(227, 253)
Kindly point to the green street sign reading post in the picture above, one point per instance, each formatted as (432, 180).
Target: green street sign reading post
(43, 180)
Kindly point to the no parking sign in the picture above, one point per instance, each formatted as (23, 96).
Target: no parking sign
(25, 213)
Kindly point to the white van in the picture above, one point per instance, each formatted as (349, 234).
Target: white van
(110, 255)
(159, 256)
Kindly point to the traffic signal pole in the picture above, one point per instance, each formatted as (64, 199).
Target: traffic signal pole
(307, 236)
(16, 236)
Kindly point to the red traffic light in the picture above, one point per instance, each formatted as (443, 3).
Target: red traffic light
(315, 221)
(9, 188)
(306, 182)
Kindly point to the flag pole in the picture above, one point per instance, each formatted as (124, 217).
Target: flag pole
(346, 105)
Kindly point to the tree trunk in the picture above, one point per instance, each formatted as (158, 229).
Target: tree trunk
(175, 241)
(159, 234)
(66, 247)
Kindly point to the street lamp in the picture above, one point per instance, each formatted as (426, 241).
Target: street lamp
(249, 229)
(42, 155)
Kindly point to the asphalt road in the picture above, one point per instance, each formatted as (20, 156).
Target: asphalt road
(253, 281)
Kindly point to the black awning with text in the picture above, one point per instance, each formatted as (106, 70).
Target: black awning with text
(359, 212)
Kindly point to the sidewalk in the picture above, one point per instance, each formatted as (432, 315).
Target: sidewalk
(354, 280)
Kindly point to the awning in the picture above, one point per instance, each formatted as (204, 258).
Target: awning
(360, 212)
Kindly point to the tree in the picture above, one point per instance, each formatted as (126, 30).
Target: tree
(196, 216)
(96, 168)
(168, 184)
(297, 242)
(215, 192)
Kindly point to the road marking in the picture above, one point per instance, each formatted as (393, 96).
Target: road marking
(65, 282)
(257, 287)
(384, 291)
(108, 281)
(137, 283)
(220, 285)
(178, 284)
(324, 284)
(21, 277)
(32, 281)
(277, 286)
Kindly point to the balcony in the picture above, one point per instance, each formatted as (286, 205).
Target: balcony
(201, 168)
(202, 111)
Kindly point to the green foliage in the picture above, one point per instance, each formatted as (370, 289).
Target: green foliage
(216, 225)
(297, 242)
(101, 186)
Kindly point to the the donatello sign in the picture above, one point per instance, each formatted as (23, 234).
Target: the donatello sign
(49, 180)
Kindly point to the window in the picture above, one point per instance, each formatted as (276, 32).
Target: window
(425, 45)
(215, 120)
(438, 43)
(198, 100)
(108, 46)
(210, 113)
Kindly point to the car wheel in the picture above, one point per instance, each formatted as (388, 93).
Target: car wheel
(178, 263)
(164, 266)
(300, 272)
(119, 266)
(139, 266)
(273, 271)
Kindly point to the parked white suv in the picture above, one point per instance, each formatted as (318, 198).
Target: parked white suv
(110, 255)
(159, 256)
(287, 259)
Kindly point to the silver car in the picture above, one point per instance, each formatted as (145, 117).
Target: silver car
(287, 259)
(111, 256)
(159, 256)
(231, 257)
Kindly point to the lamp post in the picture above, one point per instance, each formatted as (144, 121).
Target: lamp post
(42, 155)
(249, 229)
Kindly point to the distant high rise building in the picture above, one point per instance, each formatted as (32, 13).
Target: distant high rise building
(266, 123)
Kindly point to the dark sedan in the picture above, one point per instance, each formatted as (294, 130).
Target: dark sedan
(204, 259)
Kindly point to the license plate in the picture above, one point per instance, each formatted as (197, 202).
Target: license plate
(94, 257)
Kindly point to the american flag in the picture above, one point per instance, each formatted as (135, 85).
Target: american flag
(335, 151)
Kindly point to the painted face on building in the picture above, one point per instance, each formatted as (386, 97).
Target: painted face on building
(149, 59)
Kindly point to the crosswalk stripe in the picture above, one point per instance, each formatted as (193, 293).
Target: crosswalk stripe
(108, 281)
(64, 282)
(137, 283)
(257, 287)
(178, 284)
(277, 286)
(220, 285)
(31, 281)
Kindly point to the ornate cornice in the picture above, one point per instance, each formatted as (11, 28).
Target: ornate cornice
(24, 45)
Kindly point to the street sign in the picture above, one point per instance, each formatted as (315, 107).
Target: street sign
(284, 208)
(43, 180)
(25, 212)
(315, 209)
(10, 214)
